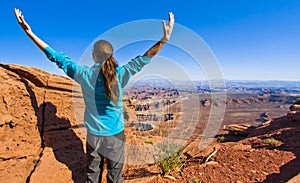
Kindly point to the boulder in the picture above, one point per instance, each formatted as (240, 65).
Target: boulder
(239, 129)
(295, 107)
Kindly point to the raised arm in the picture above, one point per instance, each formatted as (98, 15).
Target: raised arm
(61, 60)
(40, 43)
(167, 30)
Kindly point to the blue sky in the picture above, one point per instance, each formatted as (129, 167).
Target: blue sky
(251, 39)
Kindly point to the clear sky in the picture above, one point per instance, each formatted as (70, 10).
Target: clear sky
(251, 39)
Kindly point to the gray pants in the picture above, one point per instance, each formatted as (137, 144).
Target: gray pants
(109, 147)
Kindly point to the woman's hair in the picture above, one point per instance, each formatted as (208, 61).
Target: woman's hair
(103, 54)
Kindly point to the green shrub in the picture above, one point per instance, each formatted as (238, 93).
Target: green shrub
(169, 158)
(221, 139)
(272, 142)
(193, 180)
(149, 142)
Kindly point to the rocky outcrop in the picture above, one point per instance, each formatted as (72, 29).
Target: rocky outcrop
(42, 133)
(40, 136)
(239, 129)
(294, 113)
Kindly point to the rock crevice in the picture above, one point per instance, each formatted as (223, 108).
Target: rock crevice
(38, 129)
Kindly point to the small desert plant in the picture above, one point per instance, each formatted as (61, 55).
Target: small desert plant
(169, 158)
(149, 142)
(221, 139)
(272, 142)
(192, 180)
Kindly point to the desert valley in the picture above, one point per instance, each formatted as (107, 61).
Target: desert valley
(175, 131)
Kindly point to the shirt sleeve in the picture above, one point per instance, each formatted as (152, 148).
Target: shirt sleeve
(62, 61)
(132, 67)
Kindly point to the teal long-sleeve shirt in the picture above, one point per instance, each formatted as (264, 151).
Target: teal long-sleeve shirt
(101, 116)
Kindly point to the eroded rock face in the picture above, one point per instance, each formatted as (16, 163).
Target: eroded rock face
(39, 134)
(42, 133)
(19, 133)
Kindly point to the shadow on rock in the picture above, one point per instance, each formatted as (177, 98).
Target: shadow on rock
(56, 133)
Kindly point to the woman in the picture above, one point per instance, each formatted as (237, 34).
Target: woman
(102, 87)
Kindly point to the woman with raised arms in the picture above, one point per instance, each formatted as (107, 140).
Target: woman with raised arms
(102, 87)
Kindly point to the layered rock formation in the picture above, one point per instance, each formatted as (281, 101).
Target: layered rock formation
(40, 136)
(42, 133)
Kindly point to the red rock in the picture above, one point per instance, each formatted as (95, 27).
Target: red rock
(42, 133)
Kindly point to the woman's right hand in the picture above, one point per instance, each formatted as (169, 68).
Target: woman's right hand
(168, 28)
(40, 43)
(22, 21)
